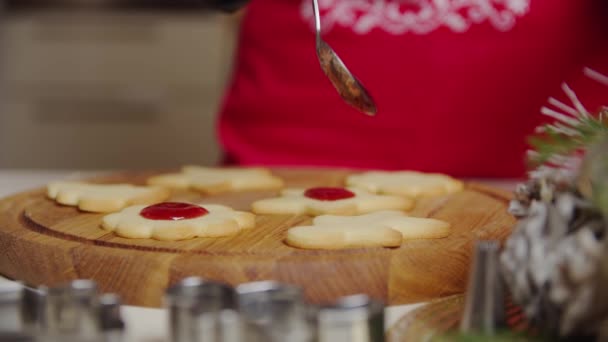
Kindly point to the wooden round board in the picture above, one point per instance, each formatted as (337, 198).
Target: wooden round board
(441, 318)
(45, 243)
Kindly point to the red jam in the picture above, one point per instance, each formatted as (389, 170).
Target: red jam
(328, 194)
(173, 211)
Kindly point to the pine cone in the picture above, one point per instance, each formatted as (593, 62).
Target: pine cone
(552, 264)
(544, 185)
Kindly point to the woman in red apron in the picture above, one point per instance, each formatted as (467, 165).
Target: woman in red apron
(458, 83)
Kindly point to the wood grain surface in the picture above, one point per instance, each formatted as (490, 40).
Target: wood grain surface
(45, 243)
(440, 320)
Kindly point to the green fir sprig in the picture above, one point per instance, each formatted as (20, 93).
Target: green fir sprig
(562, 144)
(574, 145)
(593, 176)
(556, 144)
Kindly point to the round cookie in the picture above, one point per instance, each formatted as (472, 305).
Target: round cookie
(378, 229)
(215, 180)
(177, 221)
(405, 183)
(104, 198)
(329, 200)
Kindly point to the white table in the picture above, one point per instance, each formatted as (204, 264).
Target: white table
(145, 324)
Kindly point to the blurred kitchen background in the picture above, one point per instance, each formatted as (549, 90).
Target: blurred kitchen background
(86, 84)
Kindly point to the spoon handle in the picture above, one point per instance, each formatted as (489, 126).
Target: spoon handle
(315, 7)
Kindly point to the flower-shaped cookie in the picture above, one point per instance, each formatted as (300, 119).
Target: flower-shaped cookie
(104, 198)
(328, 200)
(214, 180)
(379, 229)
(405, 183)
(177, 221)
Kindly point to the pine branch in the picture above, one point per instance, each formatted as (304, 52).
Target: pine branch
(558, 142)
(593, 178)
(562, 144)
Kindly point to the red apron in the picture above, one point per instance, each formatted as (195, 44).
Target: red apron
(458, 84)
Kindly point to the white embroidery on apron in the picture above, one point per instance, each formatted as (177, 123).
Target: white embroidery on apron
(416, 16)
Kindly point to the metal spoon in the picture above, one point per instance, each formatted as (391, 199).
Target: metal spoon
(349, 88)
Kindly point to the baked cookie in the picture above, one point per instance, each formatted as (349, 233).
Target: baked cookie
(379, 229)
(214, 180)
(405, 183)
(104, 198)
(329, 200)
(177, 221)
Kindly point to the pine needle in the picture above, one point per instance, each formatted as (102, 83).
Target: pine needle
(564, 142)
(564, 139)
